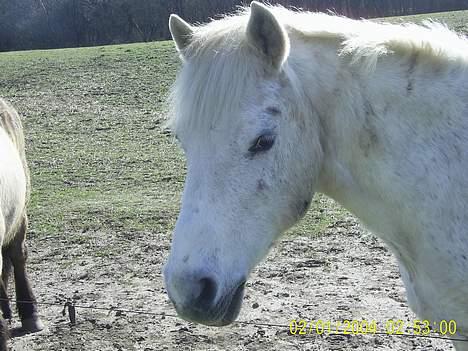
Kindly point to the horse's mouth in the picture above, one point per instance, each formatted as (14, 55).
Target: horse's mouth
(223, 313)
(233, 304)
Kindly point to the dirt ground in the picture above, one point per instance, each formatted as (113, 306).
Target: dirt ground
(344, 274)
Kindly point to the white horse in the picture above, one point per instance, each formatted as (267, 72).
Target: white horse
(14, 193)
(272, 106)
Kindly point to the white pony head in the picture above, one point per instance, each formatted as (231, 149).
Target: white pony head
(253, 157)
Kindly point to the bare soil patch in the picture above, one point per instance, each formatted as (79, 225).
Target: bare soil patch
(343, 274)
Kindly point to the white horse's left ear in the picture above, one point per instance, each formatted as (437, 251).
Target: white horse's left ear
(181, 32)
(267, 35)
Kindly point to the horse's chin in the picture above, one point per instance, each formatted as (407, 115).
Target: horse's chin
(223, 313)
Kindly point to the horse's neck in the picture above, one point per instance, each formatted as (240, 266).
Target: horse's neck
(369, 126)
(338, 92)
(392, 140)
(392, 154)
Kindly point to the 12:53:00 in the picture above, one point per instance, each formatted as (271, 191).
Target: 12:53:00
(360, 327)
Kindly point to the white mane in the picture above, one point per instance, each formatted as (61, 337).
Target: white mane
(365, 41)
(362, 37)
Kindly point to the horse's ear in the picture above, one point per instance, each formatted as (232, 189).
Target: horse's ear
(267, 35)
(181, 32)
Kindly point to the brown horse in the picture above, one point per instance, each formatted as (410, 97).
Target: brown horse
(14, 195)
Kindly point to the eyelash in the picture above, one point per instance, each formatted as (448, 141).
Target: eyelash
(262, 143)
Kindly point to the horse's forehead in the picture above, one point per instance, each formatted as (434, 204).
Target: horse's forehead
(212, 92)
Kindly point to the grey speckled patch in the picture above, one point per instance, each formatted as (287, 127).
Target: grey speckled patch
(368, 138)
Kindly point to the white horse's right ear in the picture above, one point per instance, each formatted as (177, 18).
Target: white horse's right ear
(181, 32)
(267, 35)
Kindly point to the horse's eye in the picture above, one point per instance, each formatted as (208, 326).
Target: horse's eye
(263, 143)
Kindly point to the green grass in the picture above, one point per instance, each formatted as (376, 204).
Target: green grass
(97, 153)
(456, 20)
(99, 158)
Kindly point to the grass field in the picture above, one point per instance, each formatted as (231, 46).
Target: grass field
(100, 160)
(456, 20)
(98, 155)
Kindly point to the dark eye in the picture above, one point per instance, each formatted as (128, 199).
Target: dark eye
(263, 143)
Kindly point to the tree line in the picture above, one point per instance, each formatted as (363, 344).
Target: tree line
(35, 24)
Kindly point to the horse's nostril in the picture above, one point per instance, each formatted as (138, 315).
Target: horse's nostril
(208, 289)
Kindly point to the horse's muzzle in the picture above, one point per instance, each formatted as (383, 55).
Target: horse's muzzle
(205, 310)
